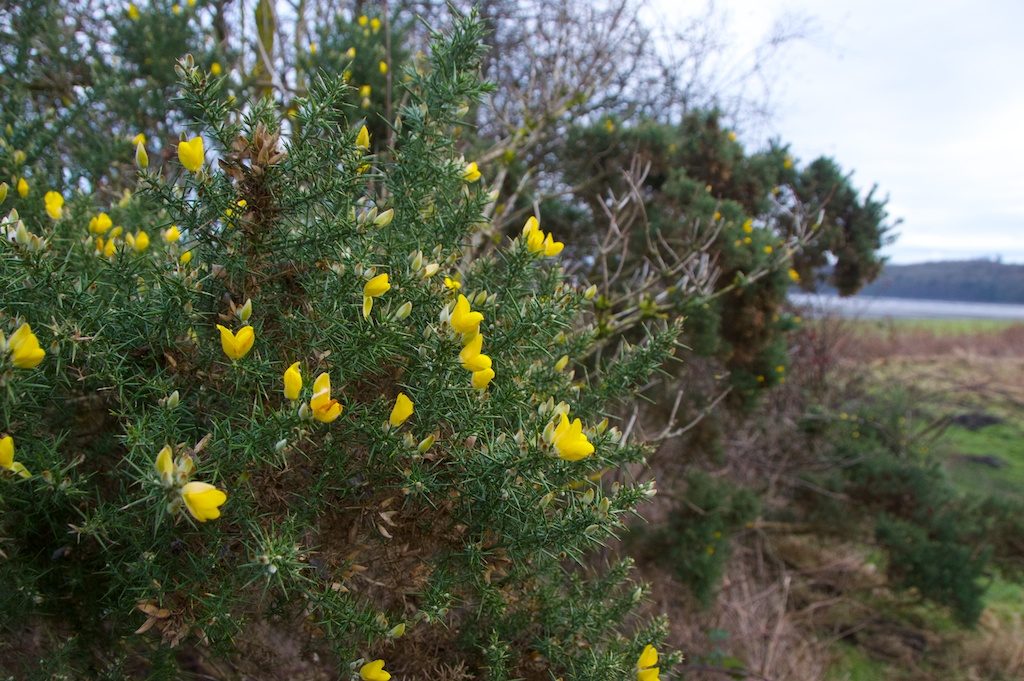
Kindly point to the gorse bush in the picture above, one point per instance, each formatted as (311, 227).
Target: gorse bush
(268, 400)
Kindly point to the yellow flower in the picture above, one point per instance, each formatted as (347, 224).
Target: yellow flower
(140, 242)
(236, 346)
(383, 67)
(313, 48)
(787, 162)
(471, 173)
(365, 90)
(482, 378)
(191, 154)
(539, 242)
(350, 53)
(172, 234)
(402, 410)
(562, 362)
(645, 664)
(767, 250)
(471, 357)
(164, 465)
(373, 671)
(175, 9)
(374, 288)
(748, 225)
(569, 440)
(133, 12)
(377, 286)
(99, 224)
(552, 247)
(7, 457)
(464, 320)
(323, 407)
(215, 68)
(54, 205)
(185, 258)
(203, 500)
(292, 382)
(375, 24)
(24, 347)
(22, 187)
(452, 284)
(362, 21)
(732, 136)
(363, 139)
(141, 157)
(794, 276)
(139, 139)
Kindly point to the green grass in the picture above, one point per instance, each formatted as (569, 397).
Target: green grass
(853, 664)
(1004, 440)
(939, 327)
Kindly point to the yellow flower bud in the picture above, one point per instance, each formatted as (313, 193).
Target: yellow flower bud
(292, 382)
(24, 348)
(22, 187)
(402, 410)
(324, 408)
(141, 157)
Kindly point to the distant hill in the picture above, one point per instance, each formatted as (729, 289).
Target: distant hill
(981, 281)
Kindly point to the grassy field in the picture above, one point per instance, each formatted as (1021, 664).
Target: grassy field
(967, 378)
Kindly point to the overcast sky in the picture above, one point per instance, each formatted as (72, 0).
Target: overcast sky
(924, 98)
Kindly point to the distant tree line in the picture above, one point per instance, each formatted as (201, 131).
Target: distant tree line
(983, 281)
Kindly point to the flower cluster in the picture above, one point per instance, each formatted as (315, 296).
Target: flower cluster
(201, 499)
(466, 322)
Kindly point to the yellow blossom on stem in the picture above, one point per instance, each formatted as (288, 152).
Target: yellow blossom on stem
(7, 457)
(139, 139)
(191, 154)
(452, 284)
(794, 276)
(562, 362)
(133, 12)
(22, 187)
(483, 378)
(363, 139)
(54, 205)
(25, 350)
(374, 671)
(236, 346)
(383, 67)
(350, 53)
(292, 382)
(569, 440)
(140, 242)
(141, 157)
(471, 357)
(203, 500)
(324, 408)
(471, 173)
(464, 320)
(645, 664)
(99, 224)
(374, 288)
(185, 258)
(375, 24)
(165, 466)
(362, 21)
(365, 90)
(402, 410)
(539, 242)
(215, 68)
(172, 234)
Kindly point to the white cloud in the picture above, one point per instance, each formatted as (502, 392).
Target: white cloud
(920, 98)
